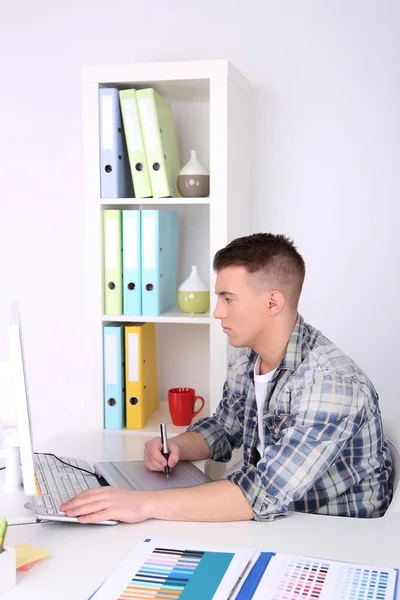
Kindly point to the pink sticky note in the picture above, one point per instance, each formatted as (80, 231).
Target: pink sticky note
(27, 566)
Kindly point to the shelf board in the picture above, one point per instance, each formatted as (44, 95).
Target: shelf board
(170, 74)
(152, 201)
(173, 315)
(161, 415)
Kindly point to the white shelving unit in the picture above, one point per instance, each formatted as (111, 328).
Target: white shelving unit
(210, 101)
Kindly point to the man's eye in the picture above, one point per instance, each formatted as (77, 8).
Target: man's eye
(228, 300)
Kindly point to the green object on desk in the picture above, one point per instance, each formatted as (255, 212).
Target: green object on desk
(3, 530)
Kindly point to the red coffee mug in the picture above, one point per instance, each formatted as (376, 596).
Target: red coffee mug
(181, 403)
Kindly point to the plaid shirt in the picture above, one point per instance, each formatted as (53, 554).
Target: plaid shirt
(325, 451)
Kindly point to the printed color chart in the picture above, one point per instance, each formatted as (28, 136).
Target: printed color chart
(290, 577)
(169, 574)
(363, 583)
(301, 579)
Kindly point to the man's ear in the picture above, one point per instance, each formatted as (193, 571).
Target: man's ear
(276, 301)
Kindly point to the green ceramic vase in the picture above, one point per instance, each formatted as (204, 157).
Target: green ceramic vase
(193, 294)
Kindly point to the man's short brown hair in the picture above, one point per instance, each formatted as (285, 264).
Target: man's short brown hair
(274, 257)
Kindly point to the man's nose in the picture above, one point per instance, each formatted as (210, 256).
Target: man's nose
(218, 313)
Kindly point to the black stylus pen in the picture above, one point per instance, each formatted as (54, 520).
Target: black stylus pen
(164, 450)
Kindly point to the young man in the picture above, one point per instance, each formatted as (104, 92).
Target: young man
(307, 416)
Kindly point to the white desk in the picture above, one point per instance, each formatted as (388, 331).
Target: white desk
(83, 555)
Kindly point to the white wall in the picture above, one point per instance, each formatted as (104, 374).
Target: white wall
(326, 148)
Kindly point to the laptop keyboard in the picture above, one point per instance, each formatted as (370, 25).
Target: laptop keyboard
(58, 482)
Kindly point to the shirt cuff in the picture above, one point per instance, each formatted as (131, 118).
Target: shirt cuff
(265, 508)
(215, 437)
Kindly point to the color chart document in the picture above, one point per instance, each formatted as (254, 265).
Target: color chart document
(165, 569)
(290, 577)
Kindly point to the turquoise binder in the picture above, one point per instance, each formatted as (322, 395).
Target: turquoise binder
(159, 260)
(131, 262)
(113, 376)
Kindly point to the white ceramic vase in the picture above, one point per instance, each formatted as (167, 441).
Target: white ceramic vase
(193, 294)
(194, 179)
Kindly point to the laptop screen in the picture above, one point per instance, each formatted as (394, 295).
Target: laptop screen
(18, 373)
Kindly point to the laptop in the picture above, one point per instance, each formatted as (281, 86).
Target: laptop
(49, 480)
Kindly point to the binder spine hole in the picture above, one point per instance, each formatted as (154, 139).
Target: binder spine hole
(131, 286)
(156, 166)
(133, 401)
(108, 168)
(149, 287)
(111, 285)
(112, 402)
(139, 167)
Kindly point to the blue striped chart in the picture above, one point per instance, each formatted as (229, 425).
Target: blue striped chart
(168, 574)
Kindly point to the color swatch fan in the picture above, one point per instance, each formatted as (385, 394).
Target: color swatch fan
(162, 569)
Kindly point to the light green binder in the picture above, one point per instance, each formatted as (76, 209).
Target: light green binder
(135, 144)
(160, 142)
(112, 252)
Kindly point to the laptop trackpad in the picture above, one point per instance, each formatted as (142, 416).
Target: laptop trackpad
(133, 475)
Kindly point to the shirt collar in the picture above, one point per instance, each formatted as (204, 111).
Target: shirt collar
(293, 354)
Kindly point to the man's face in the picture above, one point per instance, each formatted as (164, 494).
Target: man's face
(242, 306)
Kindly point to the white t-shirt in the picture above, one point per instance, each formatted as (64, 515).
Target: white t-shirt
(260, 384)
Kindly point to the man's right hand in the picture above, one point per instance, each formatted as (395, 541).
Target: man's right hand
(153, 458)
